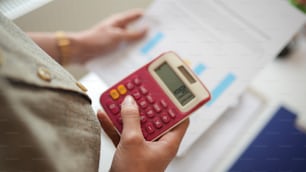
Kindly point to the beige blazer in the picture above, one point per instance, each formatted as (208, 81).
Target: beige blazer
(46, 120)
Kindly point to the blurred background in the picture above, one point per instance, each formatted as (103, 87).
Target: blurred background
(67, 15)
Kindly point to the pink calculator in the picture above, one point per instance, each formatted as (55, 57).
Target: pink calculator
(166, 91)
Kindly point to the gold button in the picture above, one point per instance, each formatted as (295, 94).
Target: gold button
(114, 94)
(44, 74)
(122, 90)
(81, 86)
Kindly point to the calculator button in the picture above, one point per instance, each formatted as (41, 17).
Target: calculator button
(137, 81)
(157, 108)
(122, 90)
(157, 123)
(113, 108)
(144, 133)
(165, 117)
(136, 95)
(150, 99)
(149, 128)
(164, 103)
(109, 101)
(143, 90)
(129, 85)
(119, 120)
(150, 113)
(143, 104)
(114, 94)
(143, 118)
(171, 112)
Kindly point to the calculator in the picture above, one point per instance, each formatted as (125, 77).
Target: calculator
(166, 91)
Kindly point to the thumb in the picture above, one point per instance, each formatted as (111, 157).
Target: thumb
(130, 118)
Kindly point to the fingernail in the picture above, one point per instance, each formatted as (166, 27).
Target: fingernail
(129, 102)
(99, 111)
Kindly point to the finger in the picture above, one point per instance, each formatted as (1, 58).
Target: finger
(108, 127)
(131, 120)
(175, 136)
(131, 35)
(125, 18)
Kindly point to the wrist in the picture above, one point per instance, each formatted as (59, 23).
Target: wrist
(76, 47)
(63, 46)
(69, 47)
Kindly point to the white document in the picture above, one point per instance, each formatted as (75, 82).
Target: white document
(225, 134)
(225, 43)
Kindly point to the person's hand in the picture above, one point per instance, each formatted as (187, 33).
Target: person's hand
(93, 42)
(107, 35)
(133, 152)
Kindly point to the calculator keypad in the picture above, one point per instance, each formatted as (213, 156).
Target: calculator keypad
(155, 113)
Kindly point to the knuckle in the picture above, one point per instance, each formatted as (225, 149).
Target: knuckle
(129, 111)
(132, 138)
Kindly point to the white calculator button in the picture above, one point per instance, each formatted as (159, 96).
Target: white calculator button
(149, 128)
(143, 104)
(113, 107)
(143, 118)
(136, 95)
(143, 90)
(150, 113)
(165, 118)
(119, 120)
(137, 81)
(157, 108)
(144, 133)
(150, 99)
(129, 85)
(172, 113)
(164, 103)
(157, 123)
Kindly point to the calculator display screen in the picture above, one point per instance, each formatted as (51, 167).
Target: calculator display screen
(174, 83)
